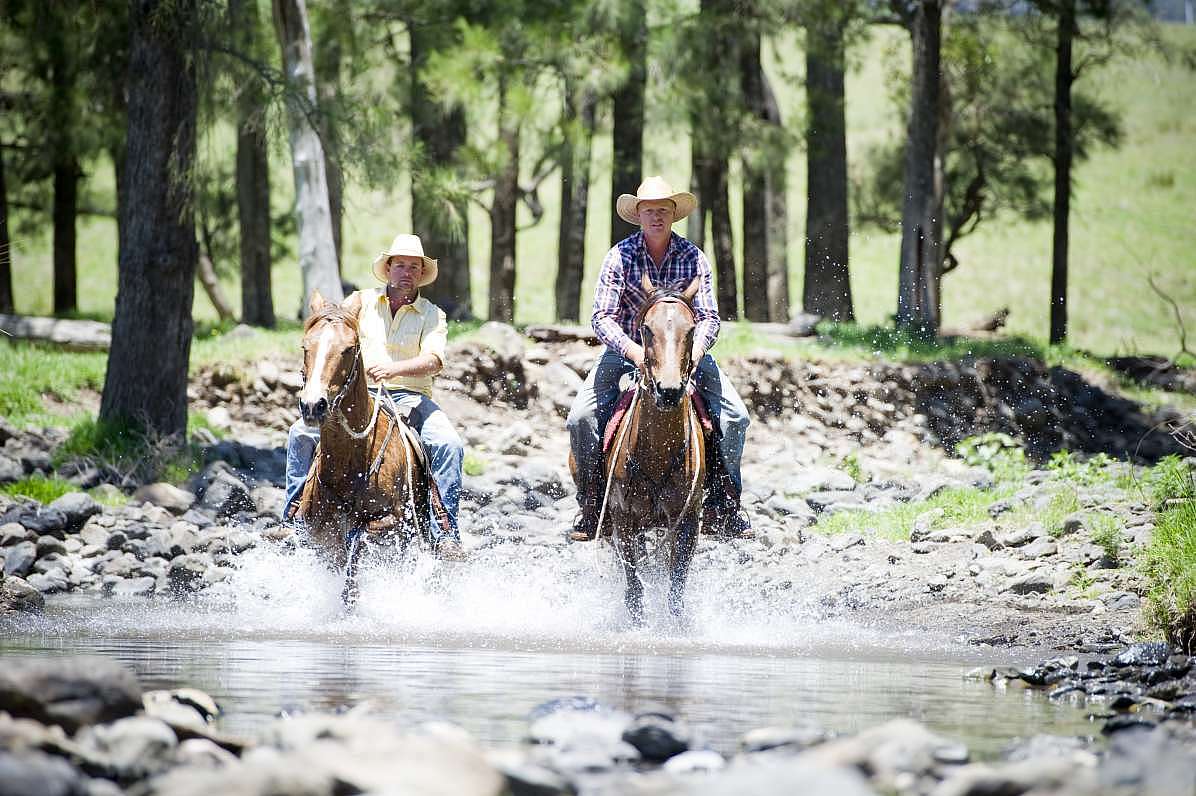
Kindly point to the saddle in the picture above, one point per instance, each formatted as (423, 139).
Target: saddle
(624, 403)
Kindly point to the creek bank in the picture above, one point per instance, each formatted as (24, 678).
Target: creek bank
(111, 737)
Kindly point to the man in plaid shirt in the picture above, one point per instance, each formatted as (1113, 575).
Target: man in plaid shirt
(670, 261)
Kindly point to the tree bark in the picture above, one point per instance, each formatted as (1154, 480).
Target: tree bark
(146, 380)
(317, 252)
(777, 207)
(724, 242)
(575, 195)
(1064, 76)
(329, 55)
(211, 286)
(916, 305)
(502, 216)
(441, 135)
(253, 182)
(627, 133)
(699, 183)
(7, 305)
(826, 289)
(756, 243)
(66, 209)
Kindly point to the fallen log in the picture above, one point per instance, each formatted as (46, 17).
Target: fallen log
(71, 334)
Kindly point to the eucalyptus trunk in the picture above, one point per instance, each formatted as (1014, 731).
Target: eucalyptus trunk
(253, 182)
(916, 303)
(146, 380)
(627, 133)
(442, 224)
(1064, 151)
(502, 216)
(826, 289)
(329, 56)
(777, 208)
(756, 243)
(575, 196)
(317, 251)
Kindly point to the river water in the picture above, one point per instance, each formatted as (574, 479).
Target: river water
(483, 642)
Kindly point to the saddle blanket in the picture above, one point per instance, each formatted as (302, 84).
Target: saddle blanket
(624, 403)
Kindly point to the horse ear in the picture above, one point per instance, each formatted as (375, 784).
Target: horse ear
(692, 289)
(352, 304)
(316, 302)
(646, 284)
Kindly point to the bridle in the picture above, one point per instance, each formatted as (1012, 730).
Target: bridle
(662, 296)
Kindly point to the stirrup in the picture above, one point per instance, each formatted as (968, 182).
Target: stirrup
(584, 528)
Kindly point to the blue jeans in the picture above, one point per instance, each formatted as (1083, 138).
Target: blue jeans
(445, 452)
(596, 400)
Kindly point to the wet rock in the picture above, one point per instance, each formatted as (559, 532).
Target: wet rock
(47, 545)
(792, 739)
(39, 519)
(558, 385)
(226, 495)
(1036, 582)
(657, 737)
(10, 470)
(135, 747)
(695, 761)
(187, 572)
(799, 775)
(28, 772)
(71, 692)
(1150, 653)
(167, 496)
(77, 508)
(19, 558)
(16, 594)
(134, 587)
(202, 753)
(50, 582)
(819, 479)
(890, 752)
(13, 533)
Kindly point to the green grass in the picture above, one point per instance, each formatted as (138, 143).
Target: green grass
(1062, 503)
(33, 372)
(129, 450)
(38, 487)
(1108, 535)
(1169, 566)
(474, 463)
(999, 453)
(962, 508)
(1131, 215)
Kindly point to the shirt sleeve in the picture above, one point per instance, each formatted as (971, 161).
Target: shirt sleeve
(435, 337)
(705, 307)
(607, 296)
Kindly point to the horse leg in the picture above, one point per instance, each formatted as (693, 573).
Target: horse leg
(353, 550)
(682, 555)
(634, 595)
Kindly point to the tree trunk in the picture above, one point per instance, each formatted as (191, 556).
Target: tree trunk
(916, 307)
(628, 131)
(699, 183)
(827, 286)
(317, 252)
(146, 381)
(575, 196)
(329, 55)
(211, 286)
(7, 305)
(66, 165)
(724, 243)
(1063, 156)
(253, 182)
(443, 227)
(502, 216)
(756, 243)
(777, 207)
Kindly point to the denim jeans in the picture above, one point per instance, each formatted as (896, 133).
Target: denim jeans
(445, 452)
(596, 399)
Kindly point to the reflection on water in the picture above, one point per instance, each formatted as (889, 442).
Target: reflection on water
(481, 644)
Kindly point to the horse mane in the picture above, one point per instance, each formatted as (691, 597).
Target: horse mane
(658, 295)
(331, 312)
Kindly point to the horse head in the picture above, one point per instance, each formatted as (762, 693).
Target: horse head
(331, 355)
(666, 325)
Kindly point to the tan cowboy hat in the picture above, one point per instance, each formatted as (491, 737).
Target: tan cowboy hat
(655, 188)
(409, 246)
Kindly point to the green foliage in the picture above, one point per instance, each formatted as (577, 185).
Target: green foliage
(1108, 535)
(1000, 454)
(1061, 504)
(38, 487)
(1088, 472)
(474, 463)
(129, 450)
(962, 507)
(1171, 479)
(851, 465)
(1169, 565)
(1081, 579)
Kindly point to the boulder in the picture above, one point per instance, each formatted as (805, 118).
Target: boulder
(71, 692)
(10, 470)
(226, 495)
(167, 496)
(77, 508)
(28, 772)
(17, 594)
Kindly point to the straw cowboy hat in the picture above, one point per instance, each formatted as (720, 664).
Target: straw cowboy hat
(650, 189)
(410, 246)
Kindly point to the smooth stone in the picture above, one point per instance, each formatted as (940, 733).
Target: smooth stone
(71, 692)
(32, 773)
(164, 495)
(77, 507)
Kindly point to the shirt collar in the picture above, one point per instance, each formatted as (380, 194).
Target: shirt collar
(642, 248)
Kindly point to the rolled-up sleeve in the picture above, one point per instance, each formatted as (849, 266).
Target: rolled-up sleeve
(705, 306)
(607, 297)
(434, 340)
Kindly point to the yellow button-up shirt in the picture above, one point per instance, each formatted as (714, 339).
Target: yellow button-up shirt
(417, 328)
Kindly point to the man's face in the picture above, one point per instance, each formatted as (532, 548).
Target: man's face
(656, 215)
(404, 271)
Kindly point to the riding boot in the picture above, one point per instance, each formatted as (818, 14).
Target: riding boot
(585, 524)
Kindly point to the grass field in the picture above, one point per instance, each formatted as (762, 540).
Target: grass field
(1132, 216)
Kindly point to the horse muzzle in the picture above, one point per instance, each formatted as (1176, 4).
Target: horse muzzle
(313, 412)
(667, 397)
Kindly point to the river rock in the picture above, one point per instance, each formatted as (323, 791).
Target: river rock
(18, 559)
(889, 752)
(13, 532)
(37, 518)
(819, 479)
(187, 572)
(16, 594)
(1151, 653)
(29, 772)
(657, 737)
(792, 739)
(135, 747)
(77, 508)
(558, 385)
(809, 778)
(226, 495)
(168, 496)
(71, 692)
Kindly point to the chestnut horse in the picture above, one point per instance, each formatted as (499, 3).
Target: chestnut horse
(369, 475)
(656, 466)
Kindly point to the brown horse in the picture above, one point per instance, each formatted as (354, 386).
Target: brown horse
(369, 475)
(656, 466)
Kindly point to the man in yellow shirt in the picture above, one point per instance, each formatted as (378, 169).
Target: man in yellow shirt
(403, 338)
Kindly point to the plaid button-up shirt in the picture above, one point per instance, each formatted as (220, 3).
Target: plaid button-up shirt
(619, 295)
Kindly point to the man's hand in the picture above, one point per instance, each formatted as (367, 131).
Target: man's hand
(636, 354)
(695, 358)
(384, 373)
